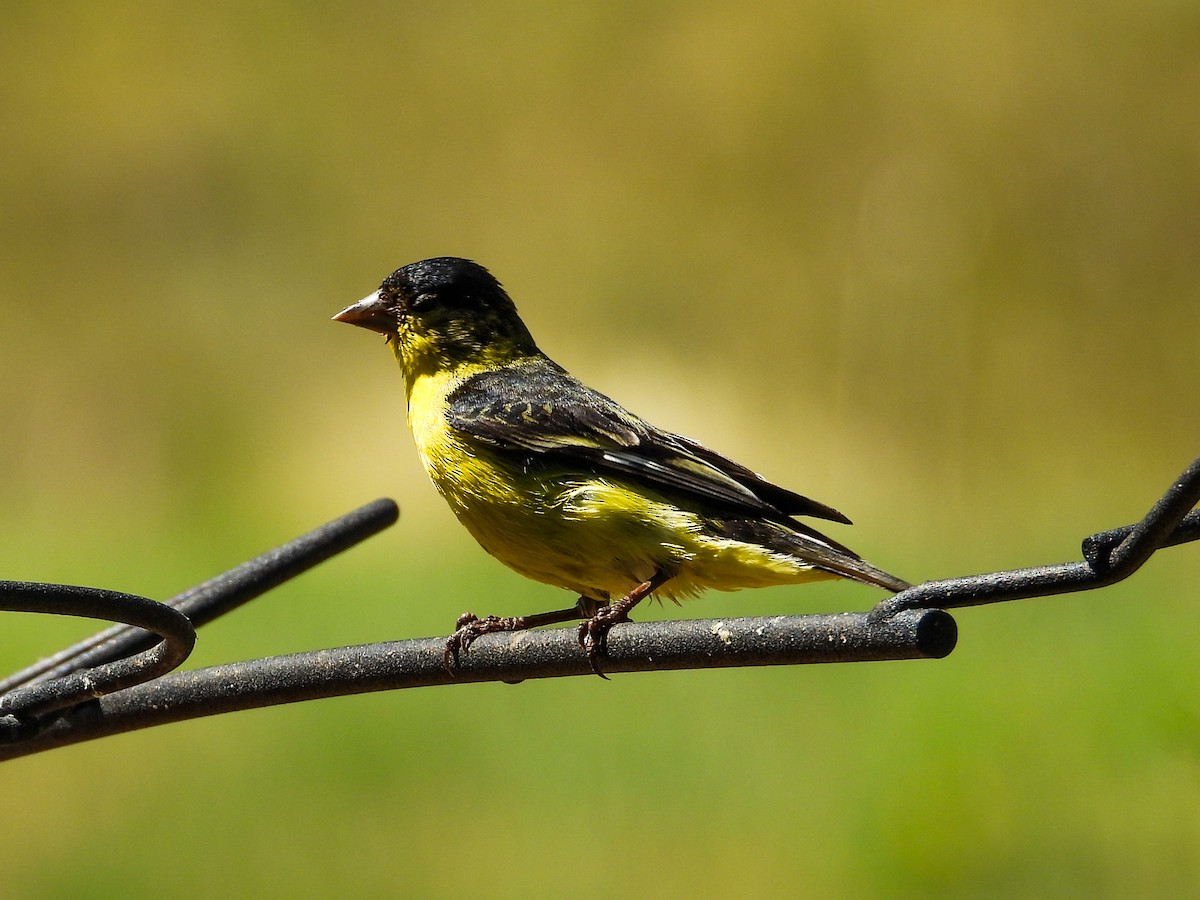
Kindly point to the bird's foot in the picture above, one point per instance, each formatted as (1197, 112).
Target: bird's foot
(469, 627)
(593, 632)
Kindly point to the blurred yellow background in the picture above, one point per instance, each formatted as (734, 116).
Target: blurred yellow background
(936, 265)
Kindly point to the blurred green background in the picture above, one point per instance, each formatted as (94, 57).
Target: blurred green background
(935, 264)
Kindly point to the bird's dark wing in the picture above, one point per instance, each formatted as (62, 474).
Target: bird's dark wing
(536, 408)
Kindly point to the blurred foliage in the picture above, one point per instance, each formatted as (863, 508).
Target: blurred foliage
(935, 264)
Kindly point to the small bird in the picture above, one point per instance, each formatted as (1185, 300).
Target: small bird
(564, 485)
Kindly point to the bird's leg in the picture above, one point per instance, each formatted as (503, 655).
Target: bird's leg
(593, 634)
(469, 626)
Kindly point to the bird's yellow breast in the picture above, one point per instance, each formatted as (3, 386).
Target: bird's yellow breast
(426, 415)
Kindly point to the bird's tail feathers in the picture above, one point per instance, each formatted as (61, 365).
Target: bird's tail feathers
(858, 570)
(814, 548)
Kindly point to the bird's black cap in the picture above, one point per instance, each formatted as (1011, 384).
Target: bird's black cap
(441, 275)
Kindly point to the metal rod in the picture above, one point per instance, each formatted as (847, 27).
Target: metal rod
(511, 657)
(1111, 556)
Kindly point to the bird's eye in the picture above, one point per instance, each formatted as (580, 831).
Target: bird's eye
(423, 301)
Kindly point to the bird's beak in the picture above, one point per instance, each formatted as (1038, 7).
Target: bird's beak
(371, 313)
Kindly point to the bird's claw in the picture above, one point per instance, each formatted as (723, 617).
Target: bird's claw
(469, 627)
(466, 629)
(593, 633)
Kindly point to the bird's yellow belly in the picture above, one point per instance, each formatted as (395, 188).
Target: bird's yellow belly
(552, 528)
(597, 538)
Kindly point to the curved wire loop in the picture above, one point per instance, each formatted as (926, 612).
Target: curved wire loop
(222, 594)
(154, 637)
(172, 633)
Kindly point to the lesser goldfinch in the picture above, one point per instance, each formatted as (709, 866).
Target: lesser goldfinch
(565, 486)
